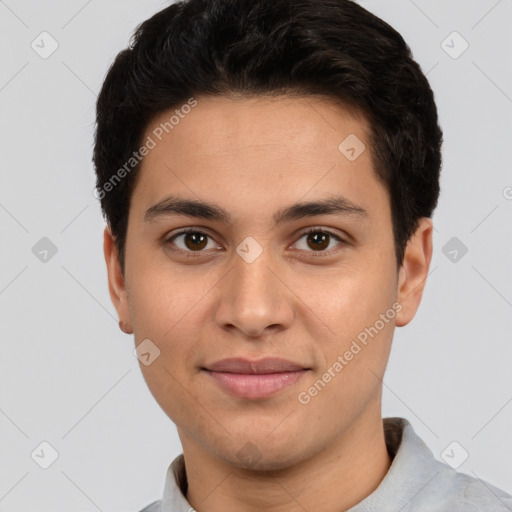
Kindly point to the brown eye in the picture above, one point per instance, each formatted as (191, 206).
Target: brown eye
(195, 241)
(192, 241)
(318, 240)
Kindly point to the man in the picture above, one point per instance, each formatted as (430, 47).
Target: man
(268, 171)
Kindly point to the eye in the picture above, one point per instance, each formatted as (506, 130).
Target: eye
(318, 240)
(192, 240)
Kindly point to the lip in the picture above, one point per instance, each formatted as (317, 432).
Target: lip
(261, 366)
(255, 379)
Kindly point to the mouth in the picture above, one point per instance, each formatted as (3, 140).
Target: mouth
(248, 379)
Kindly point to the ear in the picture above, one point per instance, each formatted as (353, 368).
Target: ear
(414, 271)
(116, 285)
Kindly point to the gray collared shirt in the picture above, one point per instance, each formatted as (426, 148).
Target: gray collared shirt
(416, 481)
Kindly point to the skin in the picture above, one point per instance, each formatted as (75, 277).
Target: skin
(254, 157)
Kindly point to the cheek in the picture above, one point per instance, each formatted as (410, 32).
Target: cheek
(167, 309)
(356, 299)
(359, 309)
(172, 391)
(350, 374)
(165, 300)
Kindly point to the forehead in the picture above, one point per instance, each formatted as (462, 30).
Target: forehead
(258, 150)
(222, 124)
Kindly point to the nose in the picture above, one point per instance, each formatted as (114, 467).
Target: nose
(253, 299)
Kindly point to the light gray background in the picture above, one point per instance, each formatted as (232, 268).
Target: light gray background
(68, 375)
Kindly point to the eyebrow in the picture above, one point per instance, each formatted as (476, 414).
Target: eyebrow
(173, 205)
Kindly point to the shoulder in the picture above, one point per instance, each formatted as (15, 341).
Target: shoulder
(417, 481)
(450, 491)
(459, 492)
(153, 507)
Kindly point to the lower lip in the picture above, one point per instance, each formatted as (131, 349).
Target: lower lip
(255, 386)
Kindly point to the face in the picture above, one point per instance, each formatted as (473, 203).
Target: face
(288, 253)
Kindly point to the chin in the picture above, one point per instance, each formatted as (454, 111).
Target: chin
(272, 463)
(261, 454)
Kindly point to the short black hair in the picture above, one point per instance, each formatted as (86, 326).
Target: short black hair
(332, 48)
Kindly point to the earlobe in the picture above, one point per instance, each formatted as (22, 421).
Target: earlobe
(414, 271)
(125, 328)
(116, 282)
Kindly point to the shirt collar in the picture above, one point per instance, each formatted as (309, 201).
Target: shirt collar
(413, 467)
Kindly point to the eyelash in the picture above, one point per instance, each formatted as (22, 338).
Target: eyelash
(316, 254)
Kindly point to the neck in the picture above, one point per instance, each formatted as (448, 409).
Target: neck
(350, 470)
